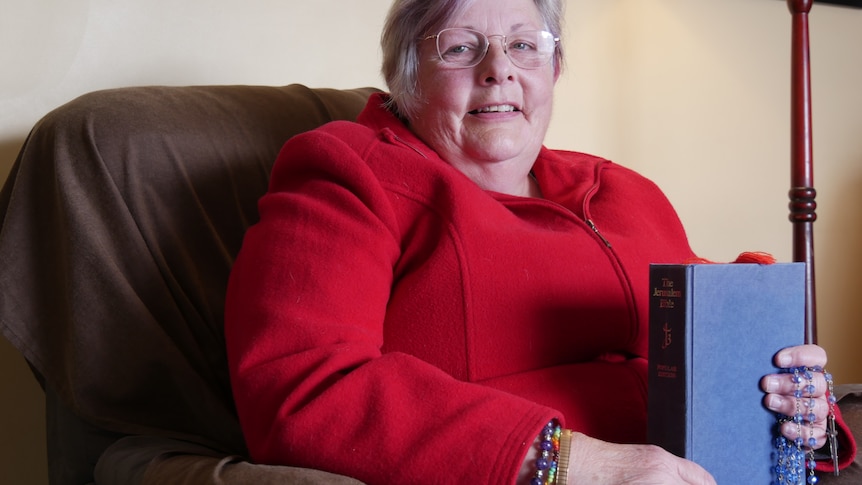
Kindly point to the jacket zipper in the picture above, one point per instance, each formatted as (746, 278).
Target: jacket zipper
(622, 274)
(598, 233)
(586, 206)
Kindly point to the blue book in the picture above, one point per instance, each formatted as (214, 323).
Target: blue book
(714, 329)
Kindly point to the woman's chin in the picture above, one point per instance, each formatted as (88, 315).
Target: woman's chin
(500, 149)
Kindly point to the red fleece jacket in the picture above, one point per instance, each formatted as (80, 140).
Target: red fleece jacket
(389, 320)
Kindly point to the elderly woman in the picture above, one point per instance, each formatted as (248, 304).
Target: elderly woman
(429, 290)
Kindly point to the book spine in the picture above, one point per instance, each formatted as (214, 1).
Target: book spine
(668, 424)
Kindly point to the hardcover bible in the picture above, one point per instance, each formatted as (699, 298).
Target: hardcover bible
(714, 329)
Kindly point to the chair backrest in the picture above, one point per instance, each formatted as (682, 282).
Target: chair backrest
(118, 227)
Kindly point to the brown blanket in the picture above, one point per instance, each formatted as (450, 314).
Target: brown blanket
(120, 221)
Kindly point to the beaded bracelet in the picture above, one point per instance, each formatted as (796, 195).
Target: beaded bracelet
(795, 464)
(549, 453)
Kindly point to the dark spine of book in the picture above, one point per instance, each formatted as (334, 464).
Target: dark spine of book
(669, 393)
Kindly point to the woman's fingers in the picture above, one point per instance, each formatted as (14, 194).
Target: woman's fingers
(810, 410)
(788, 384)
(791, 431)
(800, 395)
(801, 356)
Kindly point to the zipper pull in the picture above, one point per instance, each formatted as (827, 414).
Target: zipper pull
(596, 230)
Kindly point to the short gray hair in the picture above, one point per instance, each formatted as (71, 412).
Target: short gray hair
(411, 20)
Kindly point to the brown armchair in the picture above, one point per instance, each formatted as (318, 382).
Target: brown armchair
(118, 227)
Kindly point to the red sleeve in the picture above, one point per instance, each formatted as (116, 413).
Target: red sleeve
(304, 320)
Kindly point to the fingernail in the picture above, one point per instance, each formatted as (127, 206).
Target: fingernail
(773, 402)
(784, 359)
(772, 384)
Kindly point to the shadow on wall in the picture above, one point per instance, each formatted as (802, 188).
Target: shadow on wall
(8, 152)
(839, 268)
(851, 197)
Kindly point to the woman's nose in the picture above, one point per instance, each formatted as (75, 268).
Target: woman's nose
(496, 65)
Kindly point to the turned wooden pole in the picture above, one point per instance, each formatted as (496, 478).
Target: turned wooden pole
(802, 193)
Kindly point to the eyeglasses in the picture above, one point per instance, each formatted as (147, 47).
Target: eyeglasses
(462, 48)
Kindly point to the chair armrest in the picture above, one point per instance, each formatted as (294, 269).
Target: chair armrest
(149, 460)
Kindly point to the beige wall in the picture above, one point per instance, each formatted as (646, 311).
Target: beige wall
(693, 93)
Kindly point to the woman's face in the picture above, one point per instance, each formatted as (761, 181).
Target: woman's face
(490, 113)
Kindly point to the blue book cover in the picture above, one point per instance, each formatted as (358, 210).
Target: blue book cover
(714, 329)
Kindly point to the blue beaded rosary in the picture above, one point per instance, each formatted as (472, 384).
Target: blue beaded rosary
(796, 457)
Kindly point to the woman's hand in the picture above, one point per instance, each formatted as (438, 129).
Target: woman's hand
(599, 462)
(780, 389)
